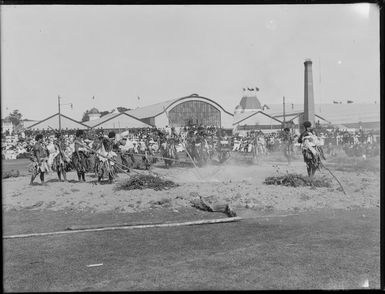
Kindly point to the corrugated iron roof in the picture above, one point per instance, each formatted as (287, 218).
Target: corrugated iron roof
(335, 113)
(151, 110)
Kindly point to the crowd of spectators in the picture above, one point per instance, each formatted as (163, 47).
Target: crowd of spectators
(353, 142)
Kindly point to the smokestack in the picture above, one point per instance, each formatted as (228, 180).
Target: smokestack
(308, 95)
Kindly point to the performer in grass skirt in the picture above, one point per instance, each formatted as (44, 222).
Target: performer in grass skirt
(61, 160)
(39, 159)
(311, 150)
(105, 166)
(79, 157)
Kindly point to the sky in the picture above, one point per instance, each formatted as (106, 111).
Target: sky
(119, 53)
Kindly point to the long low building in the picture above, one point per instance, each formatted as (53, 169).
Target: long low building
(250, 114)
(352, 115)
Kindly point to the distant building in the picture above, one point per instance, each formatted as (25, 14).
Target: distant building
(351, 115)
(248, 103)
(6, 125)
(250, 115)
(93, 114)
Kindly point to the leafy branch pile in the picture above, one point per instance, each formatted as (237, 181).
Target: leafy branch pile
(297, 180)
(10, 174)
(139, 182)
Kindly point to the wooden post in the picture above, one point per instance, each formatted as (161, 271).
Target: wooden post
(58, 102)
(284, 116)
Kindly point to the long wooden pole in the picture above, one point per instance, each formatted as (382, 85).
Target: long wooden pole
(125, 227)
(343, 190)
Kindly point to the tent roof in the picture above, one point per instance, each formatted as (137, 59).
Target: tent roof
(53, 122)
(128, 120)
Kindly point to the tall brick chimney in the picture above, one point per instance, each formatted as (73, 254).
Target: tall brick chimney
(308, 96)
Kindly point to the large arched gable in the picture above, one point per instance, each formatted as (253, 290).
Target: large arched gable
(196, 97)
(194, 112)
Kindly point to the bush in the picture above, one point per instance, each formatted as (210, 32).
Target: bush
(23, 155)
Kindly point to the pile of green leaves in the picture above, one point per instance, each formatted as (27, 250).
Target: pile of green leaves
(297, 180)
(139, 182)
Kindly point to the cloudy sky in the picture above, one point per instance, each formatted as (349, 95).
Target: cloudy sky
(117, 53)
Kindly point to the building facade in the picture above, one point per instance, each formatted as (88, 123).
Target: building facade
(184, 111)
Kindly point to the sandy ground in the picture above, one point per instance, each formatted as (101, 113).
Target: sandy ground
(240, 185)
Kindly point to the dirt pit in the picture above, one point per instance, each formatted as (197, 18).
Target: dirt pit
(240, 185)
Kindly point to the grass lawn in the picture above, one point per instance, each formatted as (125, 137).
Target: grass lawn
(320, 250)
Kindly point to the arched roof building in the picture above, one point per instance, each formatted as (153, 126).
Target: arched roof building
(189, 110)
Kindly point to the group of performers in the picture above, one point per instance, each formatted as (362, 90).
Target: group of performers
(100, 158)
(200, 144)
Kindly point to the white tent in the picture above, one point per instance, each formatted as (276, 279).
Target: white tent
(118, 121)
(53, 122)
